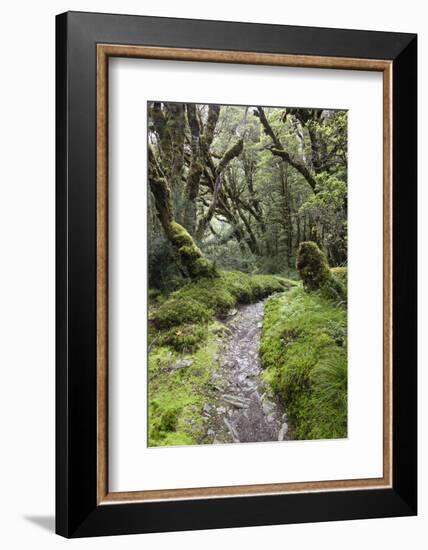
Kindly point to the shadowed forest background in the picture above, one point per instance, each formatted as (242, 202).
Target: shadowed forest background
(246, 203)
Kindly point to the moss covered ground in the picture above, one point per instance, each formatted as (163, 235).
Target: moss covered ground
(177, 395)
(304, 354)
(197, 302)
(303, 351)
(186, 326)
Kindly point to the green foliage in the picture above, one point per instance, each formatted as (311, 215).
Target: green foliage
(250, 288)
(335, 290)
(204, 268)
(265, 207)
(264, 285)
(327, 210)
(330, 383)
(237, 205)
(331, 192)
(172, 439)
(182, 238)
(163, 269)
(304, 354)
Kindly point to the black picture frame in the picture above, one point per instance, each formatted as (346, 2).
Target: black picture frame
(77, 511)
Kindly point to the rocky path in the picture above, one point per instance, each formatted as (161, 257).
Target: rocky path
(244, 411)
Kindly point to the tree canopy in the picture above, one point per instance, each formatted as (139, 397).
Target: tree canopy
(240, 187)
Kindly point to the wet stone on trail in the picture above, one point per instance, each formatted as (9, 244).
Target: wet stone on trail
(182, 363)
(244, 410)
(283, 432)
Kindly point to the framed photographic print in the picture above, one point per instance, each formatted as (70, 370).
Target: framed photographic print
(236, 274)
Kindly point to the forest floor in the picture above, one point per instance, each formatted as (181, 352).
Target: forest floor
(244, 410)
(246, 358)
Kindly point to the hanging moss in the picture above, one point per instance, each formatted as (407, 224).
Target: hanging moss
(315, 272)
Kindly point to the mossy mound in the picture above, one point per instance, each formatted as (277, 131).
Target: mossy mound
(304, 354)
(312, 266)
(179, 310)
(315, 272)
(199, 301)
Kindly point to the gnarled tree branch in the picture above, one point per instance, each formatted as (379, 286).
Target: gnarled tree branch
(278, 150)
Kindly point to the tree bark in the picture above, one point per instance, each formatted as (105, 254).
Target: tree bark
(190, 255)
(216, 185)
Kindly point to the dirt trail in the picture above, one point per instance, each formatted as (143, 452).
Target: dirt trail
(244, 411)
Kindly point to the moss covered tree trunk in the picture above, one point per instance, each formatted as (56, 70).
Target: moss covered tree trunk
(315, 272)
(191, 257)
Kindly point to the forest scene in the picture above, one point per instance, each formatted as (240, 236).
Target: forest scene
(247, 271)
